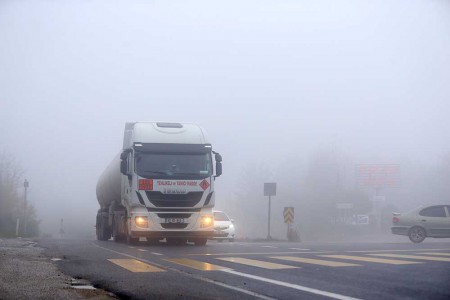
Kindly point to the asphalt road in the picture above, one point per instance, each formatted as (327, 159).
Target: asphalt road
(259, 270)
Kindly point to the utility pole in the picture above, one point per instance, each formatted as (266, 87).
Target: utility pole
(25, 186)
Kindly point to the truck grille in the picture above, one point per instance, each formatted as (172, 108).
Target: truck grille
(174, 215)
(159, 199)
(174, 225)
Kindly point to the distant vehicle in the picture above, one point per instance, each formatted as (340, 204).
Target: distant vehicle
(161, 185)
(426, 221)
(223, 227)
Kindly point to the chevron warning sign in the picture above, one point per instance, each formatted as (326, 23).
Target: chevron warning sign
(288, 213)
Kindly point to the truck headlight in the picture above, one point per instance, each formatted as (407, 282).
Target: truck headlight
(206, 221)
(231, 226)
(141, 222)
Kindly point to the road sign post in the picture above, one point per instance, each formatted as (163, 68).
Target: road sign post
(270, 189)
(288, 214)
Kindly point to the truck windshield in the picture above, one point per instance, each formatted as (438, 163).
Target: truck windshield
(173, 166)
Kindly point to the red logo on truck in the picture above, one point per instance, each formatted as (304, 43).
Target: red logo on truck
(204, 184)
(146, 184)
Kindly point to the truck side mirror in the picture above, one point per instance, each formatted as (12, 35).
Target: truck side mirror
(218, 169)
(124, 153)
(124, 166)
(218, 158)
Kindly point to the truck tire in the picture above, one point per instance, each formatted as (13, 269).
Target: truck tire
(102, 228)
(200, 241)
(118, 237)
(132, 240)
(176, 241)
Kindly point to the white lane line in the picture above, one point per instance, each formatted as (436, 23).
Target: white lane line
(301, 249)
(131, 247)
(156, 253)
(269, 247)
(403, 250)
(253, 294)
(143, 250)
(290, 285)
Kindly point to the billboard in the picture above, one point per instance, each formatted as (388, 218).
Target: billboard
(378, 175)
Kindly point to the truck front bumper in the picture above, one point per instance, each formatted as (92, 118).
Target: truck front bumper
(173, 234)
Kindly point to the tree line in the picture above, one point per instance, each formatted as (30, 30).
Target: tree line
(12, 201)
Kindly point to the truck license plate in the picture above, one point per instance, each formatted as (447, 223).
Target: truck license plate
(174, 220)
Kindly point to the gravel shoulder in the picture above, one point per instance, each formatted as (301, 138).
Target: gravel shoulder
(26, 273)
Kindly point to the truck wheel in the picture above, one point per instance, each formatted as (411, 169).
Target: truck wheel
(102, 229)
(132, 240)
(152, 241)
(417, 234)
(118, 238)
(200, 241)
(176, 241)
(231, 240)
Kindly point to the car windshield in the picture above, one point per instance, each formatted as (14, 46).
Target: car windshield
(173, 166)
(220, 216)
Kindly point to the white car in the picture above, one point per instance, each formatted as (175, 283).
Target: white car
(223, 227)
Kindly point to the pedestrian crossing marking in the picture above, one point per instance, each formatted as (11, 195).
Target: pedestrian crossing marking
(257, 263)
(315, 261)
(436, 253)
(434, 258)
(373, 259)
(260, 253)
(195, 264)
(135, 266)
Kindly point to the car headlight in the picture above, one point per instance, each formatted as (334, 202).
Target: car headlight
(141, 222)
(206, 221)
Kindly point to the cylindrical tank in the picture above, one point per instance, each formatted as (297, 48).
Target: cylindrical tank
(109, 184)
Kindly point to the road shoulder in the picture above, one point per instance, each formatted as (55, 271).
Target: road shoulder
(27, 273)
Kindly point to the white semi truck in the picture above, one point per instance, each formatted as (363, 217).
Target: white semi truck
(161, 185)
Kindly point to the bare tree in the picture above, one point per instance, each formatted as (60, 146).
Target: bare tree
(11, 200)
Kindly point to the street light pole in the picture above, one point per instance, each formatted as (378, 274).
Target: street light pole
(25, 186)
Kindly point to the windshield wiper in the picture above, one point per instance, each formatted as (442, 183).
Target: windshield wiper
(187, 173)
(155, 172)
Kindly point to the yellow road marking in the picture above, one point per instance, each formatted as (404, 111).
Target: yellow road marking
(436, 253)
(135, 266)
(373, 259)
(415, 257)
(256, 263)
(315, 261)
(198, 265)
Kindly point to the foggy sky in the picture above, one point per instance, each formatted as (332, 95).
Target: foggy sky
(268, 80)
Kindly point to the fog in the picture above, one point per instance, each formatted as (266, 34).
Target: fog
(276, 84)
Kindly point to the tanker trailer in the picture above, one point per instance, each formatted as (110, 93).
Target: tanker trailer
(160, 186)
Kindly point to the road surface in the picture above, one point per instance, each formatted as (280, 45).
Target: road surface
(270, 270)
